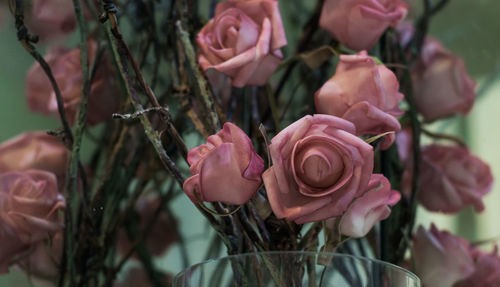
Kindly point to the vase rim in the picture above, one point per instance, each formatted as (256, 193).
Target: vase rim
(298, 252)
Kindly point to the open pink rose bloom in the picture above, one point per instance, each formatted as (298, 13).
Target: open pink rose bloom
(358, 24)
(363, 93)
(243, 41)
(29, 211)
(319, 168)
(452, 178)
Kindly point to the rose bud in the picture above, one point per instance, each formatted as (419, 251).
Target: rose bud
(441, 259)
(243, 41)
(370, 208)
(65, 64)
(163, 232)
(452, 178)
(52, 19)
(358, 24)
(363, 93)
(487, 271)
(33, 150)
(441, 84)
(319, 167)
(225, 169)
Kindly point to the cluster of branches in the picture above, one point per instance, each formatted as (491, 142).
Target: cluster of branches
(166, 96)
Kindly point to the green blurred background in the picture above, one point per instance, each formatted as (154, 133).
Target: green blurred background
(468, 28)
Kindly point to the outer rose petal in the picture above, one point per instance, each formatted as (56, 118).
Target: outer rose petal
(441, 259)
(358, 24)
(369, 209)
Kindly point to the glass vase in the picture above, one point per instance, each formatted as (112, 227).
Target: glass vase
(293, 269)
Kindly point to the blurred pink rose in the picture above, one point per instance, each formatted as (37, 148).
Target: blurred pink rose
(65, 64)
(452, 178)
(365, 94)
(441, 259)
(44, 259)
(51, 19)
(370, 208)
(319, 168)
(358, 24)
(29, 211)
(243, 41)
(33, 150)
(441, 84)
(162, 234)
(487, 271)
(225, 169)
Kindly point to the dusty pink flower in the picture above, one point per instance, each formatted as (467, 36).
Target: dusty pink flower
(33, 150)
(452, 178)
(243, 41)
(29, 211)
(487, 271)
(358, 24)
(441, 259)
(225, 169)
(441, 84)
(319, 168)
(370, 208)
(162, 234)
(65, 64)
(51, 19)
(363, 93)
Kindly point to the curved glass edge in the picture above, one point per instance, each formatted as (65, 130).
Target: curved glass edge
(310, 253)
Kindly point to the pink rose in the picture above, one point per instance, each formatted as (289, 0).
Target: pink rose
(65, 64)
(363, 93)
(319, 168)
(162, 234)
(225, 169)
(487, 271)
(51, 19)
(358, 24)
(370, 208)
(33, 150)
(29, 211)
(243, 41)
(452, 178)
(441, 84)
(441, 259)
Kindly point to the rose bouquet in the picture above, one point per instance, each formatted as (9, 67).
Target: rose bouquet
(287, 131)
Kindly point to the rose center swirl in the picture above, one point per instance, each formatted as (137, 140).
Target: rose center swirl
(319, 165)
